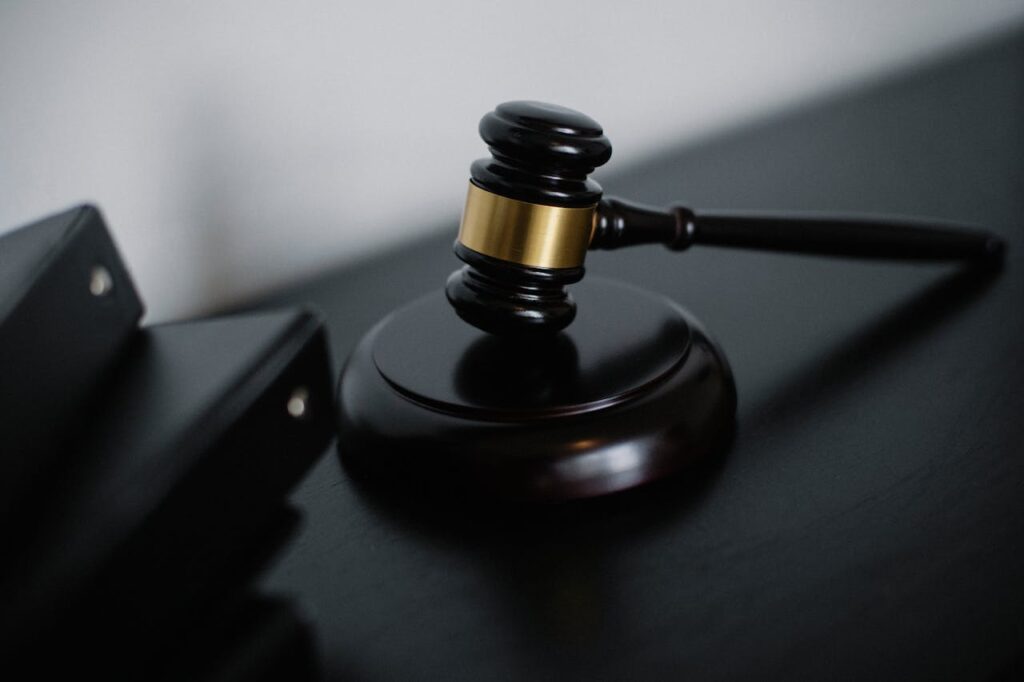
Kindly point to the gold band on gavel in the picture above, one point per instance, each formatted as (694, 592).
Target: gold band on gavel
(529, 234)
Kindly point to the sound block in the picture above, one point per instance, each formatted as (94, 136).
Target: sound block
(633, 391)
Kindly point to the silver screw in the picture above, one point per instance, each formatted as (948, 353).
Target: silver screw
(298, 403)
(100, 281)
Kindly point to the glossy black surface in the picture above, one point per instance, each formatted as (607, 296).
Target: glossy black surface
(621, 223)
(867, 521)
(616, 401)
(426, 351)
(508, 299)
(541, 153)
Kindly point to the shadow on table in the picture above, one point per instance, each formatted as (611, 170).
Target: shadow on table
(873, 347)
(556, 570)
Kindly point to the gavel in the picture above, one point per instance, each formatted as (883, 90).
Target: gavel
(524, 403)
(532, 213)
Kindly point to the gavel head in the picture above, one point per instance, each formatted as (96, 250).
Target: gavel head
(528, 220)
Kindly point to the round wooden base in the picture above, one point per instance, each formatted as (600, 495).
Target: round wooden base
(632, 391)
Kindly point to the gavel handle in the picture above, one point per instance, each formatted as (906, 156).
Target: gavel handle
(620, 223)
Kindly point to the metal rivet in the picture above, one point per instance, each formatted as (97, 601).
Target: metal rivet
(100, 281)
(298, 403)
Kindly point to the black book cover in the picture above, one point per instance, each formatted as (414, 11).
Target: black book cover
(67, 309)
(203, 429)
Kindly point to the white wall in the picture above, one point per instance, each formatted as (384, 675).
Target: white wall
(237, 145)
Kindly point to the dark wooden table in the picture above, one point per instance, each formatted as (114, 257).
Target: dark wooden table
(868, 521)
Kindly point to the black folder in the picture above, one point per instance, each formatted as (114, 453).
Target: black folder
(67, 309)
(202, 430)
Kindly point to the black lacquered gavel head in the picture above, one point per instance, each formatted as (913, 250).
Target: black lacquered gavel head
(529, 218)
